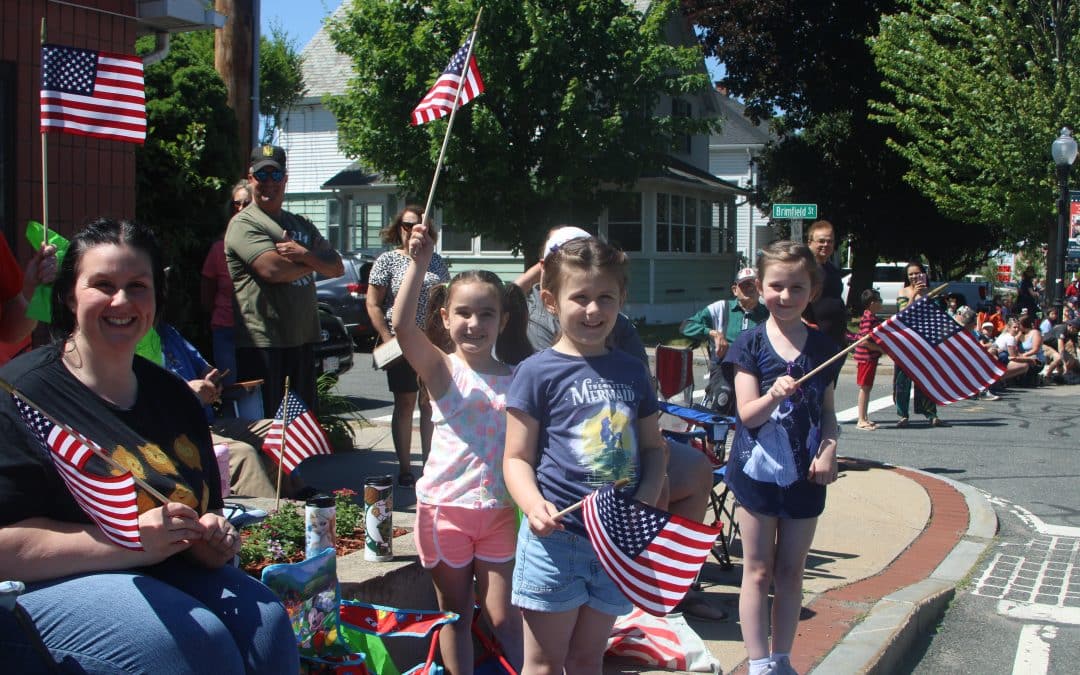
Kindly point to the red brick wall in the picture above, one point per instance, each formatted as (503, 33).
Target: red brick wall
(88, 177)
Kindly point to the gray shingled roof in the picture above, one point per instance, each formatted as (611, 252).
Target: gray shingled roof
(326, 71)
(738, 130)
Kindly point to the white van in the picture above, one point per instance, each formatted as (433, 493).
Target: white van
(889, 278)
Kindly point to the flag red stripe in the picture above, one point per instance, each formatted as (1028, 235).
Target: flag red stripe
(91, 122)
(119, 104)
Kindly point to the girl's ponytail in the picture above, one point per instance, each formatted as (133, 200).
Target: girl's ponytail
(433, 322)
(513, 345)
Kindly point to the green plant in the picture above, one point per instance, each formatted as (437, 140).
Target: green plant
(336, 412)
(278, 538)
(349, 513)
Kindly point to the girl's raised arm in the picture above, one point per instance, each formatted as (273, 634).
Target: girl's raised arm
(429, 362)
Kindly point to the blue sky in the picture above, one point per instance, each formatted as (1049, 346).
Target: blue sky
(301, 20)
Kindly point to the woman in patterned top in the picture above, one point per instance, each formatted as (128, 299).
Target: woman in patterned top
(384, 282)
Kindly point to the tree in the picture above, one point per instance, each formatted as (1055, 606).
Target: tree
(979, 91)
(806, 65)
(569, 106)
(281, 78)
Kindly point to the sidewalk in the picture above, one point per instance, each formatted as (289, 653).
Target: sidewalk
(889, 551)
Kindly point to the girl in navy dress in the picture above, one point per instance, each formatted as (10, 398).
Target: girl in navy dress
(784, 452)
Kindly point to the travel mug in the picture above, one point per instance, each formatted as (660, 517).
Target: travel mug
(320, 525)
(378, 518)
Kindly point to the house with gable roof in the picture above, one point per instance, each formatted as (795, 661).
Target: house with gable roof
(676, 222)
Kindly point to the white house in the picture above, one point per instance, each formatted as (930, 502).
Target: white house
(678, 223)
(733, 157)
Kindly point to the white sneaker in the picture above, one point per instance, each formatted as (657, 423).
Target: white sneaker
(988, 395)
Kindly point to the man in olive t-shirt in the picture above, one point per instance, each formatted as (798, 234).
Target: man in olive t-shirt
(272, 255)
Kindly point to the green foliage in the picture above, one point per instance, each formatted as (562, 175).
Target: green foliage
(570, 92)
(811, 60)
(277, 538)
(349, 514)
(281, 81)
(978, 92)
(335, 412)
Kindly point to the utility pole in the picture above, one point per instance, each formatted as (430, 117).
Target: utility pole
(234, 61)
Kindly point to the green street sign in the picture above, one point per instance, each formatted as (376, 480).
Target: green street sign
(794, 211)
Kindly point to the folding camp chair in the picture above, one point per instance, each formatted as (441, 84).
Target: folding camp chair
(675, 372)
(707, 432)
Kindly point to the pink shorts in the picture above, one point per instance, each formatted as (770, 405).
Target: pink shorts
(456, 535)
(864, 373)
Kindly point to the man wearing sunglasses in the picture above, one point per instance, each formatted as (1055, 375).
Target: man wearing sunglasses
(272, 256)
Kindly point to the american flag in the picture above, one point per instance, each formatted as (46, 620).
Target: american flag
(108, 500)
(440, 98)
(92, 93)
(663, 641)
(651, 555)
(303, 438)
(939, 355)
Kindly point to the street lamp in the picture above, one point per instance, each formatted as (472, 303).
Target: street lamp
(1063, 150)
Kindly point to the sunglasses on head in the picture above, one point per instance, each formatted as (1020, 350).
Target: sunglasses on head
(263, 175)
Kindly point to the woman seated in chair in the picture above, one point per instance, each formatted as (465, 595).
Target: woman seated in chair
(164, 601)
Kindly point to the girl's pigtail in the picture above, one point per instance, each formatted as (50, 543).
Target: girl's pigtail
(513, 346)
(433, 323)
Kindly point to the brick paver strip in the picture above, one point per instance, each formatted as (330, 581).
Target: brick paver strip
(835, 612)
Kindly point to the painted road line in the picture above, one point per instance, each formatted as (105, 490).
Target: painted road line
(1033, 651)
(1024, 611)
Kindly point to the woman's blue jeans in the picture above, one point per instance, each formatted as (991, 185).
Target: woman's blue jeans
(171, 618)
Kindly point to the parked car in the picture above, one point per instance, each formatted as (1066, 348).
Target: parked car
(334, 354)
(346, 297)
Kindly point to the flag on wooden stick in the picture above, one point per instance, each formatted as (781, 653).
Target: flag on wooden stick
(939, 355)
(651, 555)
(439, 100)
(92, 93)
(110, 501)
(295, 427)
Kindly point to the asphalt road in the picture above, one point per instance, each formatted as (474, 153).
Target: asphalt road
(1020, 612)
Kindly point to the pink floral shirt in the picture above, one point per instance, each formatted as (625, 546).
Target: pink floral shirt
(465, 464)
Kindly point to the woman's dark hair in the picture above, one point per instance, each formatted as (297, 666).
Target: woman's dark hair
(790, 252)
(512, 346)
(912, 263)
(1027, 323)
(588, 254)
(391, 234)
(96, 233)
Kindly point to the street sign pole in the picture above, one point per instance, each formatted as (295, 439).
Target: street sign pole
(796, 230)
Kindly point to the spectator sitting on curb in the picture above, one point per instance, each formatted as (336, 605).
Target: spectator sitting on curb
(1004, 350)
(250, 469)
(965, 316)
(1063, 367)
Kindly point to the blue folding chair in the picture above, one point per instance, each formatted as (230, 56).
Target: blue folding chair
(707, 431)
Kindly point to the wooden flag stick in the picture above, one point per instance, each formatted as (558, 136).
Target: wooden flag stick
(577, 505)
(93, 447)
(284, 432)
(44, 167)
(853, 345)
(450, 123)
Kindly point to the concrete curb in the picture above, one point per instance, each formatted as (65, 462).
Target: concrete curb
(879, 642)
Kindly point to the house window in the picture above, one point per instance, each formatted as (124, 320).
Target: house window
(683, 224)
(624, 221)
(681, 108)
(454, 240)
(368, 219)
(491, 244)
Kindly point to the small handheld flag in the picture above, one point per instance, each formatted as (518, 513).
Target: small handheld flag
(937, 353)
(651, 555)
(439, 100)
(92, 93)
(110, 501)
(305, 437)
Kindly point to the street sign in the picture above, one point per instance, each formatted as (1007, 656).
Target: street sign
(794, 211)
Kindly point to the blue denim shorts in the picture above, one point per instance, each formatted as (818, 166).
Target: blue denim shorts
(560, 572)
